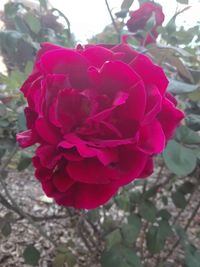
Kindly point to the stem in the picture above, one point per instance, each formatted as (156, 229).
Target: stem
(113, 20)
(24, 215)
(8, 160)
(181, 211)
(185, 228)
(65, 18)
(14, 205)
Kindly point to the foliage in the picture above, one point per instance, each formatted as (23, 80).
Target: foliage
(146, 230)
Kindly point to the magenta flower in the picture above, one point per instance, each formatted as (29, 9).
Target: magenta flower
(99, 115)
(140, 18)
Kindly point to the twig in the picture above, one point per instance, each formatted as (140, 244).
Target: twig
(181, 211)
(113, 20)
(8, 160)
(24, 215)
(185, 228)
(14, 206)
(65, 18)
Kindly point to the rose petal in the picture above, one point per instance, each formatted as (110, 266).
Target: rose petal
(169, 118)
(152, 138)
(150, 73)
(87, 196)
(47, 132)
(27, 138)
(66, 61)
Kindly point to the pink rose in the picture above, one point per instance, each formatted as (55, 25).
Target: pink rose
(99, 114)
(139, 19)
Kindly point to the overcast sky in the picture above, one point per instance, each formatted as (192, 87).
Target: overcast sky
(88, 17)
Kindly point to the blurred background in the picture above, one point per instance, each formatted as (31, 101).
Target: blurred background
(150, 223)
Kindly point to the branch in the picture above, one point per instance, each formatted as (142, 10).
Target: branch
(13, 204)
(113, 20)
(185, 228)
(65, 18)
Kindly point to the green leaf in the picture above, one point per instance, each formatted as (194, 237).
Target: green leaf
(120, 256)
(22, 121)
(177, 87)
(3, 110)
(195, 96)
(113, 239)
(157, 235)
(126, 4)
(151, 192)
(123, 201)
(183, 1)
(187, 136)
(197, 152)
(135, 197)
(2, 152)
(11, 9)
(5, 226)
(93, 215)
(109, 225)
(179, 200)
(24, 162)
(31, 255)
(148, 210)
(192, 259)
(6, 229)
(193, 121)
(21, 25)
(151, 22)
(131, 230)
(187, 187)
(181, 234)
(179, 159)
(165, 200)
(43, 3)
(64, 257)
(33, 22)
(164, 214)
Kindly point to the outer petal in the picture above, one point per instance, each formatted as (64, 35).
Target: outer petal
(150, 73)
(91, 171)
(169, 118)
(47, 132)
(116, 76)
(62, 181)
(66, 61)
(87, 196)
(98, 55)
(27, 138)
(152, 138)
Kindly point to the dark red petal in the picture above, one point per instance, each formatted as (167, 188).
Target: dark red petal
(135, 105)
(47, 132)
(169, 118)
(62, 181)
(152, 138)
(154, 104)
(66, 61)
(31, 117)
(128, 53)
(26, 138)
(116, 76)
(131, 164)
(98, 55)
(148, 169)
(91, 171)
(171, 98)
(48, 156)
(87, 196)
(150, 73)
